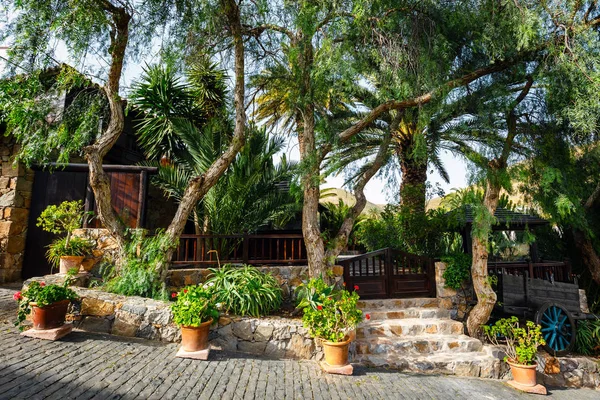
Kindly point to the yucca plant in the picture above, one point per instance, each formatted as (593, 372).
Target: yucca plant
(588, 337)
(245, 290)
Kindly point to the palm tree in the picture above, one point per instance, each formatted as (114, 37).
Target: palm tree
(186, 122)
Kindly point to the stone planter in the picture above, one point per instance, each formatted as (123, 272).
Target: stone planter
(523, 374)
(336, 354)
(69, 262)
(195, 338)
(50, 316)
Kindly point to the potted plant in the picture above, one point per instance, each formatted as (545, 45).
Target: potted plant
(330, 315)
(520, 344)
(194, 311)
(47, 304)
(66, 252)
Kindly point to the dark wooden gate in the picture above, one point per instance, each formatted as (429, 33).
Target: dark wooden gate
(48, 188)
(389, 273)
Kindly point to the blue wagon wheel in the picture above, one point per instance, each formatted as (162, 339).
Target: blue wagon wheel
(558, 327)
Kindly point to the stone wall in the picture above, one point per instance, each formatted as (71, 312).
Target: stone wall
(569, 371)
(106, 246)
(16, 183)
(456, 298)
(130, 316)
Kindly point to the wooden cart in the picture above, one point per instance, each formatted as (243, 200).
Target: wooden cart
(553, 305)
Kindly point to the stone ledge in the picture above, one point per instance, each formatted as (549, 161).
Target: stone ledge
(49, 334)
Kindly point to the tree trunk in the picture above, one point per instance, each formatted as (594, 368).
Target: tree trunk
(589, 256)
(413, 168)
(200, 185)
(94, 154)
(486, 297)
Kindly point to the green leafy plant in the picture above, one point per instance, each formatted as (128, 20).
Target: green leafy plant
(329, 313)
(245, 290)
(588, 337)
(138, 273)
(65, 218)
(75, 247)
(194, 305)
(42, 295)
(458, 270)
(520, 343)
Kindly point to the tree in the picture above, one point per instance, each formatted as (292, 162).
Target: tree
(85, 27)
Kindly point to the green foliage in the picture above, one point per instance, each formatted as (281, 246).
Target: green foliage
(138, 273)
(332, 218)
(520, 343)
(62, 218)
(458, 269)
(329, 314)
(423, 234)
(42, 295)
(75, 247)
(588, 337)
(194, 305)
(245, 290)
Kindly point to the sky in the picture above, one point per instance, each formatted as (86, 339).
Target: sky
(377, 191)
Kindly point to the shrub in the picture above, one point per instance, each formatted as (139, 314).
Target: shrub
(245, 290)
(74, 247)
(588, 337)
(521, 343)
(42, 295)
(458, 269)
(137, 273)
(329, 314)
(194, 305)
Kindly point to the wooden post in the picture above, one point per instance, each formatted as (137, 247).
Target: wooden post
(531, 269)
(142, 200)
(245, 249)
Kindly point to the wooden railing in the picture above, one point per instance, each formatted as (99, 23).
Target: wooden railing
(240, 249)
(558, 271)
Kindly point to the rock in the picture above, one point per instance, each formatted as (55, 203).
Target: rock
(96, 307)
(263, 332)
(552, 366)
(147, 331)
(243, 330)
(134, 309)
(337, 270)
(252, 347)
(121, 328)
(224, 321)
(223, 344)
(170, 333)
(159, 316)
(281, 333)
(300, 347)
(276, 349)
(96, 324)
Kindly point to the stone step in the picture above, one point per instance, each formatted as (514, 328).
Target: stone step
(411, 312)
(474, 364)
(421, 345)
(409, 327)
(399, 304)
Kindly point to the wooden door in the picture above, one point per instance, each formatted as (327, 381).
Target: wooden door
(48, 188)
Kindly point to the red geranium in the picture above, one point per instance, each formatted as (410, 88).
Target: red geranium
(355, 287)
(17, 296)
(173, 295)
(319, 308)
(184, 290)
(344, 284)
(368, 316)
(42, 284)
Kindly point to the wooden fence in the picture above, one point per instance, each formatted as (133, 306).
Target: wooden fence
(267, 249)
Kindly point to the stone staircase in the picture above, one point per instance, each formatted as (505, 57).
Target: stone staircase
(417, 335)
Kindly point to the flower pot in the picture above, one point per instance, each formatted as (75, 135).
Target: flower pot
(69, 262)
(336, 354)
(50, 316)
(523, 374)
(195, 338)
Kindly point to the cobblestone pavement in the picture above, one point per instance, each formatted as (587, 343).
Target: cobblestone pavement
(91, 366)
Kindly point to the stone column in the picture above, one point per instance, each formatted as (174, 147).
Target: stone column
(16, 183)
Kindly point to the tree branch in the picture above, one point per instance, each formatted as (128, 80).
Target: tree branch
(593, 199)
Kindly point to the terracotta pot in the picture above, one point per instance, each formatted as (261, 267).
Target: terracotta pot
(68, 262)
(523, 374)
(50, 316)
(195, 338)
(336, 354)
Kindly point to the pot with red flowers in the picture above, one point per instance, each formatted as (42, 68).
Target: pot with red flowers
(47, 304)
(331, 315)
(194, 311)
